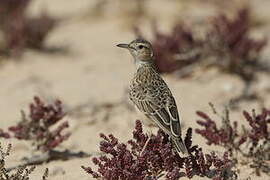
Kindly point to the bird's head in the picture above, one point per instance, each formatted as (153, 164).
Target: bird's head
(140, 49)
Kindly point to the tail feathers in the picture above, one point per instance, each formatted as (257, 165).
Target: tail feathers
(180, 147)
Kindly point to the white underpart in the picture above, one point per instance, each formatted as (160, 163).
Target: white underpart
(140, 63)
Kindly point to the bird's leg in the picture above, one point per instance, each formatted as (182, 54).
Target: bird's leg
(146, 123)
(149, 134)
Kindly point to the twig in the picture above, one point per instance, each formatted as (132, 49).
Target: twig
(246, 95)
(50, 156)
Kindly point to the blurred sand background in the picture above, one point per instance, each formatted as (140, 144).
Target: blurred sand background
(94, 72)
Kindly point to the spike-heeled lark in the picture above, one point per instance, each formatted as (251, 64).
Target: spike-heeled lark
(151, 95)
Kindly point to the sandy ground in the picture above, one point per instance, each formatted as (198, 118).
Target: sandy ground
(94, 71)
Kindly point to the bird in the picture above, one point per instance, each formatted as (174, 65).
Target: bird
(151, 95)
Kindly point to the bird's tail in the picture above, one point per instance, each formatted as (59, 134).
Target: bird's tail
(180, 147)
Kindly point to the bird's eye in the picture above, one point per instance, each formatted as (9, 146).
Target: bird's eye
(140, 46)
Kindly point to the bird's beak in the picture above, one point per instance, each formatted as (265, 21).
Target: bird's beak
(123, 46)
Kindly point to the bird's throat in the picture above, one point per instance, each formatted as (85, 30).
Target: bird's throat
(140, 63)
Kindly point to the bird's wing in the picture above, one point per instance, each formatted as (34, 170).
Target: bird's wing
(156, 101)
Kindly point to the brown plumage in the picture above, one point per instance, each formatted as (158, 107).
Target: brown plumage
(151, 95)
